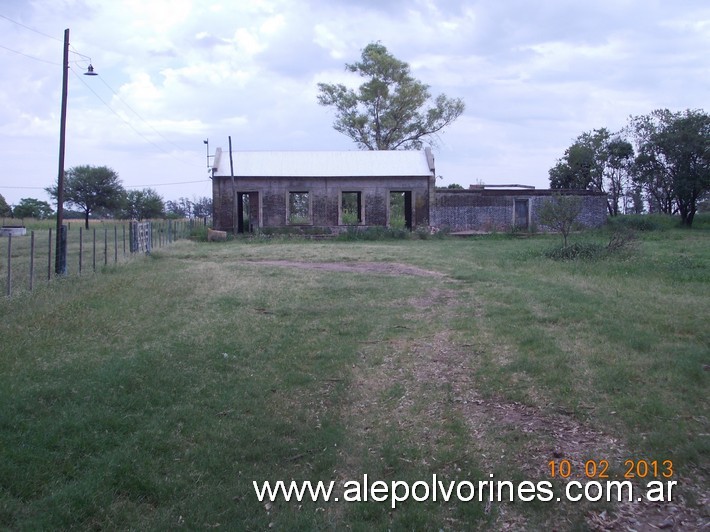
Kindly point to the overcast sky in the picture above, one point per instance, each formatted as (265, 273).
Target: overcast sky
(533, 75)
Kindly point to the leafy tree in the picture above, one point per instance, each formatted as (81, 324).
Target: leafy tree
(560, 213)
(704, 202)
(180, 208)
(185, 208)
(576, 169)
(33, 208)
(454, 186)
(201, 207)
(599, 161)
(389, 110)
(617, 171)
(673, 162)
(5, 209)
(91, 188)
(142, 204)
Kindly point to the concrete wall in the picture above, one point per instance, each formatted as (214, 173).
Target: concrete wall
(494, 210)
(324, 196)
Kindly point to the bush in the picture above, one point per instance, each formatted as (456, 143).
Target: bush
(577, 251)
(637, 222)
(621, 239)
(199, 233)
(374, 233)
(422, 232)
(289, 231)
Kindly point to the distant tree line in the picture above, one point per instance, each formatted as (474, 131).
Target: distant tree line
(97, 191)
(659, 161)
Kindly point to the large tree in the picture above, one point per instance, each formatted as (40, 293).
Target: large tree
(5, 209)
(201, 207)
(619, 158)
(91, 188)
(673, 162)
(181, 208)
(391, 110)
(597, 160)
(33, 208)
(142, 204)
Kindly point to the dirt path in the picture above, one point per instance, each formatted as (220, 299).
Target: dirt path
(435, 371)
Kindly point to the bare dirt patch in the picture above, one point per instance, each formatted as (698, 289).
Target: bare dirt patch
(385, 268)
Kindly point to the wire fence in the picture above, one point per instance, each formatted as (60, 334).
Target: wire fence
(30, 258)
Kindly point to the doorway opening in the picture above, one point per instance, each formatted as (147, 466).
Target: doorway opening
(400, 209)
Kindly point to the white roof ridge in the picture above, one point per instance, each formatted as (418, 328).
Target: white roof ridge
(326, 163)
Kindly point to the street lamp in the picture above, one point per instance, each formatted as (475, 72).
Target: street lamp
(60, 258)
(207, 142)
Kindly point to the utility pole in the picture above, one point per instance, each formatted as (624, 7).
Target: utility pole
(207, 142)
(235, 209)
(60, 254)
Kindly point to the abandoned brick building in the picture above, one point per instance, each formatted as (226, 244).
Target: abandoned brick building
(321, 189)
(335, 190)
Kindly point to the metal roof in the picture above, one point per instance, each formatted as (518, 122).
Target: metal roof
(325, 163)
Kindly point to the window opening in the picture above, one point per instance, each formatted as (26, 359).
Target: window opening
(351, 208)
(299, 208)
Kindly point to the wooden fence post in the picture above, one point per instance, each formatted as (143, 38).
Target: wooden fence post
(9, 265)
(32, 259)
(81, 247)
(49, 255)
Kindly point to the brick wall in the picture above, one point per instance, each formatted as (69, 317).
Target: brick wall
(494, 210)
(324, 198)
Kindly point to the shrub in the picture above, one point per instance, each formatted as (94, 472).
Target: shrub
(621, 239)
(199, 233)
(637, 222)
(560, 213)
(374, 233)
(577, 251)
(422, 232)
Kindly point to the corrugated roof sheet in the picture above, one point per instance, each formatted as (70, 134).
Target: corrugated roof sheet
(324, 164)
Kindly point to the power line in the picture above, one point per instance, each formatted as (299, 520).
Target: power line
(120, 117)
(31, 29)
(165, 184)
(138, 115)
(29, 56)
(85, 57)
(44, 35)
(159, 148)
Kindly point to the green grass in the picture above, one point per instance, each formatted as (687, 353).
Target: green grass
(151, 396)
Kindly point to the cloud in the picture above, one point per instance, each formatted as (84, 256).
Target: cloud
(173, 72)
